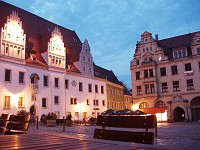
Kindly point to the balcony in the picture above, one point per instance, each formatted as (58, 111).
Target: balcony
(189, 73)
(34, 88)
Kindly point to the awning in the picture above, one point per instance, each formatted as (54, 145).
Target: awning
(154, 110)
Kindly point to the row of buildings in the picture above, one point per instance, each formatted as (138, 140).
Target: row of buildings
(46, 68)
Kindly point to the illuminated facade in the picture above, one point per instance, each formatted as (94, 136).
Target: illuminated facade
(165, 77)
(45, 68)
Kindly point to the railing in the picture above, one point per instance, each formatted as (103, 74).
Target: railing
(149, 79)
(149, 63)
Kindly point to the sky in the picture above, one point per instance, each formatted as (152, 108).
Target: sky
(113, 27)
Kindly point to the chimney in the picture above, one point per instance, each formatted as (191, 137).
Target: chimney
(156, 36)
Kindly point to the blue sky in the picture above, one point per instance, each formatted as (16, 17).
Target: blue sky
(113, 27)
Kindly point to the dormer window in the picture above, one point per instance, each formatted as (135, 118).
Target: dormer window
(179, 54)
(146, 40)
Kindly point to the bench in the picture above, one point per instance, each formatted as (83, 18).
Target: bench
(14, 124)
(143, 122)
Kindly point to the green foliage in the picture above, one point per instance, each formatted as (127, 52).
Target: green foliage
(51, 116)
(22, 112)
(69, 117)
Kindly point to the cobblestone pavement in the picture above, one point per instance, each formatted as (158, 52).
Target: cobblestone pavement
(174, 134)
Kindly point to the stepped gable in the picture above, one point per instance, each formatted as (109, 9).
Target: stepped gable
(104, 73)
(38, 33)
(178, 42)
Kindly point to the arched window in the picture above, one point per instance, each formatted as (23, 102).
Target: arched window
(160, 103)
(144, 105)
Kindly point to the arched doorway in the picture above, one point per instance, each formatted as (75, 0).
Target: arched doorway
(33, 112)
(195, 108)
(179, 114)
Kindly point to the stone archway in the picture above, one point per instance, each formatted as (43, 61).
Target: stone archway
(179, 114)
(195, 108)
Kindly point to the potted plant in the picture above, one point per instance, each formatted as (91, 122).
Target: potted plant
(51, 119)
(22, 112)
(69, 120)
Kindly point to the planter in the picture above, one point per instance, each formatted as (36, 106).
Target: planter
(51, 123)
(69, 123)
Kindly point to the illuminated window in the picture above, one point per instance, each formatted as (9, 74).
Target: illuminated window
(144, 105)
(21, 102)
(7, 102)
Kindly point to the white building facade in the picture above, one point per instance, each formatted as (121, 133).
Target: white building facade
(46, 69)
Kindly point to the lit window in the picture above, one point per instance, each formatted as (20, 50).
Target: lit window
(21, 102)
(7, 102)
(144, 105)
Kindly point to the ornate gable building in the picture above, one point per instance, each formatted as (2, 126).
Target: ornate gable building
(165, 76)
(45, 68)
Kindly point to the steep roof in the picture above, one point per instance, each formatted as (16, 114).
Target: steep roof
(38, 33)
(105, 74)
(182, 41)
(126, 91)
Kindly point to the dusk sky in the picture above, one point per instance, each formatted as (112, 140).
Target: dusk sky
(113, 27)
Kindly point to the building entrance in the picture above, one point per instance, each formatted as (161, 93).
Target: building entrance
(179, 114)
(195, 109)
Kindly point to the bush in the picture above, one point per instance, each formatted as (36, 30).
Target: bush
(51, 116)
(22, 112)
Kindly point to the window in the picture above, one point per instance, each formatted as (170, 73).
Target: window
(139, 90)
(21, 77)
(160, 104)
(137, 74)
(73, 101)
(66, 84)
(190, 84)
(188, 67)
(44, 102)
(7, 102)
(102, 89)
(176, 85)
(180, 54)
(21, 102)
(56, 99)
(184, 53)
(145, 73)
(46, 81)
(175, 55)
(80, 86)
(163, 71)
(144, 105)
(96, 88)
(150, 72)
(90, 87)
(174, 69)
(56, 81)
(7, 75)
(103, 102)
(87, 101)
(137, 62)
(147, 89)
(199, 65)
(95, 102)
(164, 87)
(198, 51)
(152, 90)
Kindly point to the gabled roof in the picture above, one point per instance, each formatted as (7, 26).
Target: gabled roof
(38, 33)
(106, 74)
(126, 91)
(182, 41)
